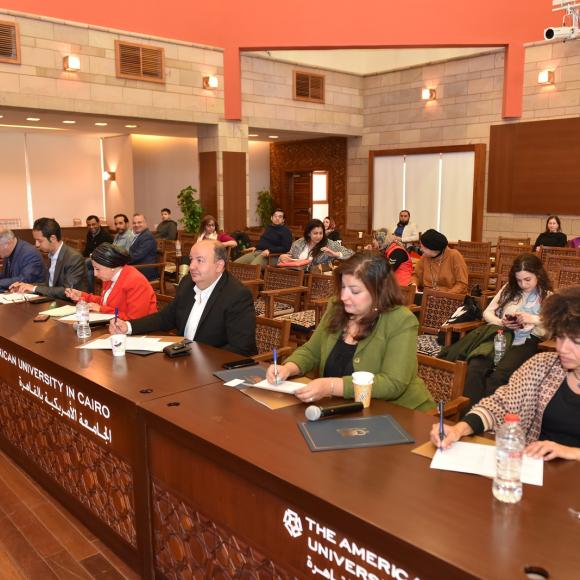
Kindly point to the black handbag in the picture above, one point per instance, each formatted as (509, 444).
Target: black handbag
(468, 312)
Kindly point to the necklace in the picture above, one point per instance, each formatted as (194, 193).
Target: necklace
(576, 377)
(435, 274)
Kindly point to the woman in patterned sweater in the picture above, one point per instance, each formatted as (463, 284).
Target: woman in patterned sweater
(544, 392)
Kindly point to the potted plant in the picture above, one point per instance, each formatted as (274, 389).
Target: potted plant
(191, 209)
(265, 207)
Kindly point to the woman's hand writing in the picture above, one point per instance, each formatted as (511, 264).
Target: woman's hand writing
(453, 433)
(73, 294)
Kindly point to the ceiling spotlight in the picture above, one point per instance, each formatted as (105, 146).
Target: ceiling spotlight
(428, 94)
(33, 119)
(546, 77)
(101, 124)
(210, 82)
(69, 122)
(131, 126)
(71, 63)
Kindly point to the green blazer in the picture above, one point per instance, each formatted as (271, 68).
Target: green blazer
(390, 352)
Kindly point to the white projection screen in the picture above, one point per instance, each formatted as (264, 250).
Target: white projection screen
(437, 188)
(388, 190)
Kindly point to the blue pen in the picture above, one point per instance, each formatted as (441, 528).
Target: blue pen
(440, 406)
(276, 379)
(116, 314)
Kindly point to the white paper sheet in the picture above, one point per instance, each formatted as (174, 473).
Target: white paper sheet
(284, 387)
(480, 460)
(62, 311)
(93, 317)
(149, 343)
(11, 298)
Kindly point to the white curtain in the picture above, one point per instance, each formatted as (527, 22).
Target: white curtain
(388, 190)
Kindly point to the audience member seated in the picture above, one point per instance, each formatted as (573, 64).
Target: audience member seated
(124, 236)
(210, 306)
(553, 236)
(315, 247)
(330, 229)
(96, 235)
(143, 250)
(22, 262)
(406, 232)
(399, 259)
(209, 230)
(167, 228)
(67, 266)
(516, 310)
(276, 239)
(365, 328)
(544, 392)
(125, 290)
(440, 268)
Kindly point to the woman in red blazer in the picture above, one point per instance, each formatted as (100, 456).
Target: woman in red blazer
(124, 287)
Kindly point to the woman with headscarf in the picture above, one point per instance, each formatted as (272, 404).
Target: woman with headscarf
(440, 268)
(124, 287)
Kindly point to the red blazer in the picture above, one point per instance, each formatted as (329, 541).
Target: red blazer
(132, 295)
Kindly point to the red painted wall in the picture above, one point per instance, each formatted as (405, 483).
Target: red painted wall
(266, 24)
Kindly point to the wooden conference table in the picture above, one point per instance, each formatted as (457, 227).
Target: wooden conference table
(186, 478)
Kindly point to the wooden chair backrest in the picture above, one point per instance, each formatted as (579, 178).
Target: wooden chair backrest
(555, 263)
(159, 283)
(277, 278)
(475, 250)
(244, 271)
(436, 308)
(320, 286)
(546, 251)
(444, 379)
(567, 276)
(271, 333)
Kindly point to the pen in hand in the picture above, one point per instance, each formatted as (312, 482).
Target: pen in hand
(276, 378)
(116, 314)
(440, 406)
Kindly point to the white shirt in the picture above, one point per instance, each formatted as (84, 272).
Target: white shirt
(113, 282)
(53, 259)
(201, 298)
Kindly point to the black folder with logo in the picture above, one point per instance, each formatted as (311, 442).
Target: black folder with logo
(355, 432)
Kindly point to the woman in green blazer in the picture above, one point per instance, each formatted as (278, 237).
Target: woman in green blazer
(365, 328)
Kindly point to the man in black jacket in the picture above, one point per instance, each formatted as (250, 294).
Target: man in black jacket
(143, 250)
(276, 239)
(96, 235)
(210, 306)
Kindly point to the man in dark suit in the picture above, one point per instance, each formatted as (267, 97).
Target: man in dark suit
(22, 261)
(66, 265)
(210, 306)
(143, 250)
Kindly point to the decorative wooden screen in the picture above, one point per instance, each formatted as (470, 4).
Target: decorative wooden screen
(139, 62)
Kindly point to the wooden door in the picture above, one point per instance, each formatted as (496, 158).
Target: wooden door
(300, 198)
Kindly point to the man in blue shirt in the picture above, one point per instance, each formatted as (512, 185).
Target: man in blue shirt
(22, 261)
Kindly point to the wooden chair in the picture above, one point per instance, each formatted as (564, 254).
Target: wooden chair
(272, 334)
(248, 274)
(478, 270)
(546, 251)
(445, 381)
(163, 300)
(282, 292)
(436, 308)
(512, 246)
(474, 250)
(159, 283)
(567, 276)
(75, 243)
(554, 263)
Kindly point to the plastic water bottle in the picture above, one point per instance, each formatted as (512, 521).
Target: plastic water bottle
(82, 314)
(509, 451)
(499, 347)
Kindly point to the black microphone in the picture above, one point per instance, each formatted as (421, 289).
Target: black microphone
(315, 412)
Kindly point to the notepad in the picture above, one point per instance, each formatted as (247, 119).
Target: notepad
(480, 460)
(62, 311)
(289, 387)
(16, 297)
(93, 317)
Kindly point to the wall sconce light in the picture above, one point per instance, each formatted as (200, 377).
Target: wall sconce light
(546, 77)
(210, 82)
(71, 63)
(428, 94)
(109, 176)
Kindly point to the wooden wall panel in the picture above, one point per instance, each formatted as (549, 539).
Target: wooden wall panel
(316, 154)
(234, 175)
(534, 167)
(208, 182)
